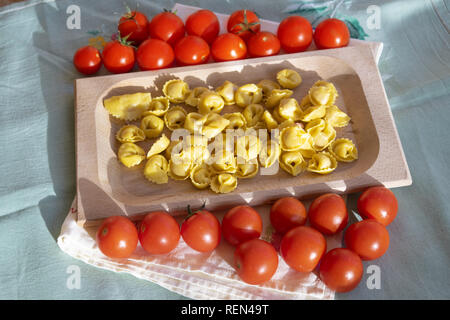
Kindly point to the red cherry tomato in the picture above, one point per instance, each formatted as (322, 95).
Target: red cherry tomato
(154, 54)
(118, 57)
(367, 238)
(203, 23)
(228, 46)
(201, 231)
(263, 44)
(240, 224)
(87, 60)
(117, 237)
(341, 270)
(159, 233)
(328, 213)
(255, 261)
(166, 26)
(191, 50)
(378, 203)
(331, 33)
(286, 214)
(244, 23)
(295, 34)
(302, 248)
(134, 24)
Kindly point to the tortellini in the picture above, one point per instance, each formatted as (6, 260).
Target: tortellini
(194, 96)
(175, 118)
(130, 154)
(336, 117)
(343, 150)
(275, 96)
(247, 168)
(223, 183)
(128, 106)
(176, 90)
(218, 145)
(289, 78)
(152, 126)
(210, 102)
(292, 162)
(156, 169)
(289, 109)
(322, 133)
(227, 91)
(130, 133)
(158, 106)
(158, 146)
(267, 86)
(253, 114)
(201, 176)
(237, 121)
(322, 163)
(248, 94)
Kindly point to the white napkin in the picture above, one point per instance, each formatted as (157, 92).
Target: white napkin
(197, 275)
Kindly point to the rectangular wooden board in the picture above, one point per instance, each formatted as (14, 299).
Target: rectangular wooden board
(105, 187)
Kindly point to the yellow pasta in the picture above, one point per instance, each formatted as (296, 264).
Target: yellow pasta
(130, 154)
(269, 153)
(156, 169)
(292, 162)
(128, 106)
(275, 96)
(152, 126)
(223, 183)
(175, 118)
(194, 96)
(322, 133)
(176, 90)
(314, 112)
(227, 91)
(247, 168)
(323, 93)
(343, 150)
(267, 86)
(223, 161)
(201, 176)
(336, 117)
(248, 147)
(289, 78)
(269, 120)
(237, 121)
(322, 163)
(213, 124)
(158, 106)
(293, 138)
(248, 94)
(253, 114)
(158, 146)
(289, 109)
(193, 122)
(210, 102)
(130, 133)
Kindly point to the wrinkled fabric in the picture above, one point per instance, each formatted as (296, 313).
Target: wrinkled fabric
(37, 169)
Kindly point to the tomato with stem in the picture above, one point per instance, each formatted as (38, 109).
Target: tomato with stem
(201, 230)
(118, 55)
(117, 237)
(133, 24)
(243, 23)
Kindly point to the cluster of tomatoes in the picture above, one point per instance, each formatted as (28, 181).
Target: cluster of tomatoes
(255, 260)
(165, 39)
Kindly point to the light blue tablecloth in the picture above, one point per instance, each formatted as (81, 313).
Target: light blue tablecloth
(37, 181)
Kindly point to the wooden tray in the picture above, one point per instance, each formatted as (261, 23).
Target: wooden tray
(105, 187)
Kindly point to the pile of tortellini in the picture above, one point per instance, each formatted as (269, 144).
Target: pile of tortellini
(214, 149)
